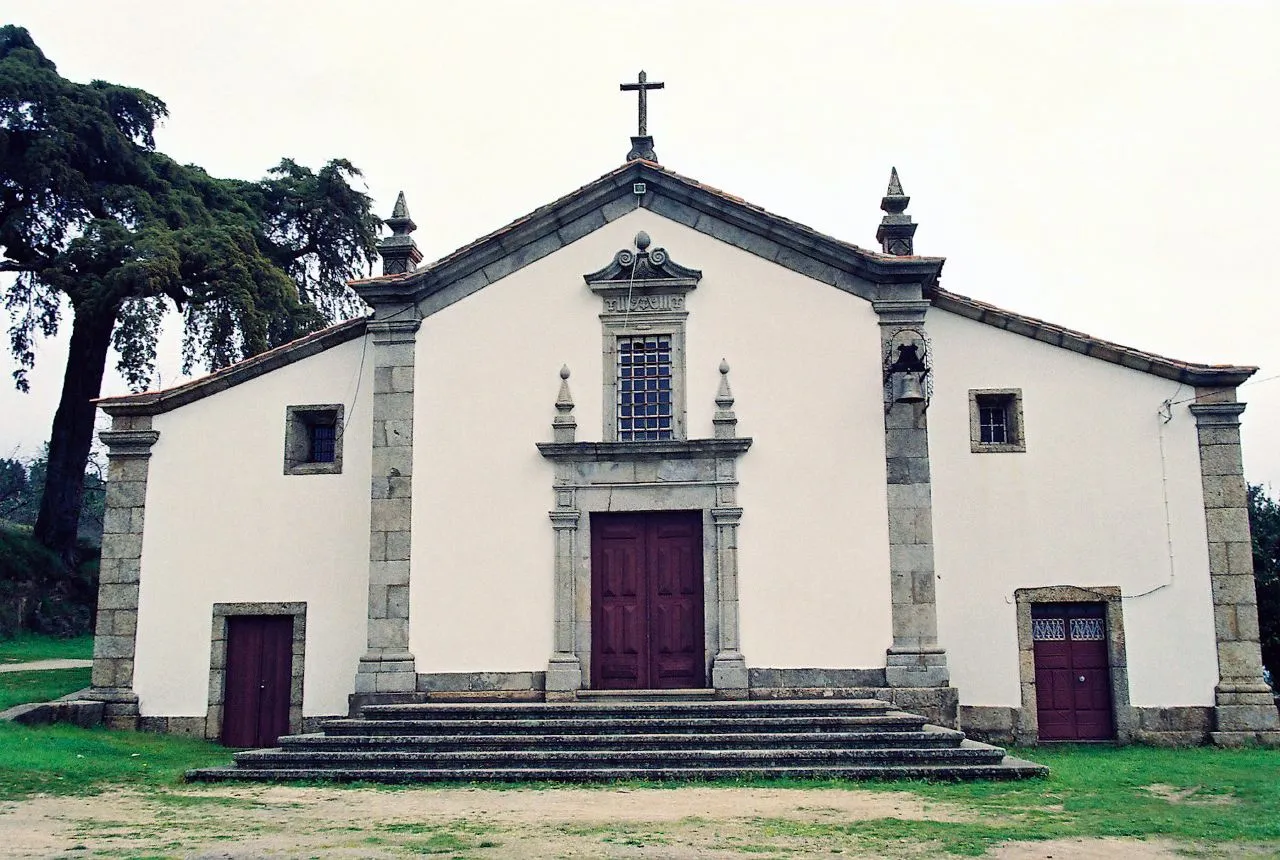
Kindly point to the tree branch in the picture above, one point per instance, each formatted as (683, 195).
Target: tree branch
(7, 266)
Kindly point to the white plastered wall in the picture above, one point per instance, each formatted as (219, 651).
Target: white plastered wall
(813, 556)
(1083, 506)
(225, 525)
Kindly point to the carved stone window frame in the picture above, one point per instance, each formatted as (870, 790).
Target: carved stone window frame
(643, 294)
(218, 659)
(1027, 726)
(1015, 427)
(298, 421)
(616, 328)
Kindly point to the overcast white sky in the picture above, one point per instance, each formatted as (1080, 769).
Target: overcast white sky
(1111, 167)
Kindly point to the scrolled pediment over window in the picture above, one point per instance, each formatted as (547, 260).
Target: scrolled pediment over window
(643, 268)
(643, 318)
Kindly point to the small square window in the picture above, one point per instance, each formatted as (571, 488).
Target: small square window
(995, 421)
(313, 440)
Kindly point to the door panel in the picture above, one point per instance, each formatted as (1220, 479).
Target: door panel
(675, 551)
(618, 604)
(258, 680)
(1072, 670)
(646, 600)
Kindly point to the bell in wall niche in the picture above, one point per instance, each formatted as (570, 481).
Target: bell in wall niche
(907, 388)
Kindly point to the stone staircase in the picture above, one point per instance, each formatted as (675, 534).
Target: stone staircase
(607, 740)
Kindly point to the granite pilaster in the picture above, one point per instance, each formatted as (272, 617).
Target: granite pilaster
(388, 666)
(129, 443)
(1244, 711)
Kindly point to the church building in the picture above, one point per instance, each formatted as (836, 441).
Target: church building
(652, 437)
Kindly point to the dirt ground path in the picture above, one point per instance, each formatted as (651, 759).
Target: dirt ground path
(692, 822)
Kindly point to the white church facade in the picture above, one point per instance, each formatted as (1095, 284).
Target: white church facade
(652, 437)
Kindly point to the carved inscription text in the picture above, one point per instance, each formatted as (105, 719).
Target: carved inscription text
(619, 305)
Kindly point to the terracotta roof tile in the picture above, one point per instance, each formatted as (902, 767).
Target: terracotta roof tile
(287, 353)
(1188, 372)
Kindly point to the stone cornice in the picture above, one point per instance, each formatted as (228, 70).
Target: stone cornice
(1205, 375)
(1217, 414)
(689, 449)
(388, 331)
(129, 443)
(900, 311)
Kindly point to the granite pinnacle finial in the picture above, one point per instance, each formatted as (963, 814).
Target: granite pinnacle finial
(895, 184)
(896, 232)
(401, 209)
(564, 427)
(724, 421)
(399, 251)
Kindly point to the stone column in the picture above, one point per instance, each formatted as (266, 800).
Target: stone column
(564, 669)
(1244, 711)
(729, 668)
(388, 666)
(128, 444)
(915, 658)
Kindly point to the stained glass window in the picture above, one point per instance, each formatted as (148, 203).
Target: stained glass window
(644, 388)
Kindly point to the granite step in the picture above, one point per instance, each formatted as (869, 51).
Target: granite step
(1007, 768)
(632, 759)
(893, 721)
(612, 709)
(687, 739)
(670, 740)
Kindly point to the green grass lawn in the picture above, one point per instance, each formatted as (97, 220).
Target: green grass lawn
(17, 688)
(70, 760)
(1201, 794)
(32, 646)
(1196, 797)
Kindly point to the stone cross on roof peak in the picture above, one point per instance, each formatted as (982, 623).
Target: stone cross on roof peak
(642, 143)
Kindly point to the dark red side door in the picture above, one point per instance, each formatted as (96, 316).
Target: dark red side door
(646, 601)
(258, 678)
(1073, 674)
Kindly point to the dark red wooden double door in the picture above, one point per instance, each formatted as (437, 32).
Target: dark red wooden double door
(255, 710)
(646, 601)
(1073, 673)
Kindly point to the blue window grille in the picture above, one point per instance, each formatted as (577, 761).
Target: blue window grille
(644, 388)
(323, 443)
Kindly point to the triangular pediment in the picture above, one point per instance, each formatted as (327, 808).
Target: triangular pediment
(645, 185)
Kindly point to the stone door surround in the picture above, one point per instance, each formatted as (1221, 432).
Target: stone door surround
(218, 659)
(1026, 729)
(696, 475)
(670, 475)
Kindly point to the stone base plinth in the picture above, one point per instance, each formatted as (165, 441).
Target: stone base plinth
(564, 673)
(1245, 739)
(916, 667)
(119, 707)
(1246, 708)
(729, 675)
(387, 674)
